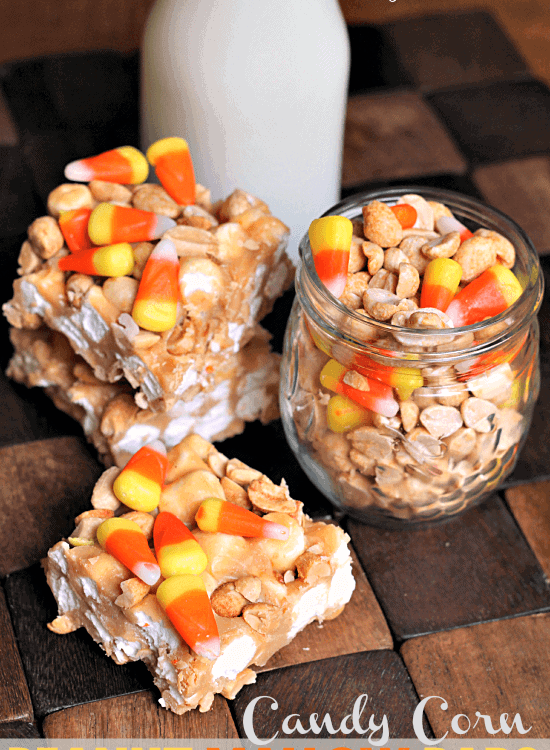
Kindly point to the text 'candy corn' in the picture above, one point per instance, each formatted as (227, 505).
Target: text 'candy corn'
(330, 240)
(185, 601)
(404, 379)
(405, 214)
(125, 165)
(124, 540)
(156, 304)
(343, 414)
(174, 168)
(110, 224)
(140, 482)
(222, 516)
(74, 227)
(177, 550)
(488, 295)
(110, 260)
(378, 398)
(440, 283)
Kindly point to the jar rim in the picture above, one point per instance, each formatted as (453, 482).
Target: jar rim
(327, 310)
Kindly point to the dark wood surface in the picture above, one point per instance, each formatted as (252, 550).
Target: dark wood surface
(62, 670)
(530, 505)
(139, 716)
(15, 699)
(45, 484)
(486, 136)
(452, 574)
(494, 668)
(332, 687)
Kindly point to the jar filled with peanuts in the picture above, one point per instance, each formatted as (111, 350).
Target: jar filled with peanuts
(410, 369)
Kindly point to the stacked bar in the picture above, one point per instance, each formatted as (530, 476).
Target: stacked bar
(263, 586)
(209, 371)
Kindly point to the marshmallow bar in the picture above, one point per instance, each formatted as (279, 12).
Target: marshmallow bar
(237, 388)
(262, 591)
(232, 268)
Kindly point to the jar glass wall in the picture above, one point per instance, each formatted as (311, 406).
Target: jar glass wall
(445, 411)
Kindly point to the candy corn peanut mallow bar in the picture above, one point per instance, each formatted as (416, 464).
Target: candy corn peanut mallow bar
(224, 570)
(147, 289)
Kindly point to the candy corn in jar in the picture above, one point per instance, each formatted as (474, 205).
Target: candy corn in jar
(407, 391)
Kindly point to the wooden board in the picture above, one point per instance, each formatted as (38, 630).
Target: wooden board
(521, 189)
(474, 568)
(139, 716)
(530, 504)
(15, 700)
(395, 136)
(332, 687)
(45, 484)
(494, 668)
(19, 729)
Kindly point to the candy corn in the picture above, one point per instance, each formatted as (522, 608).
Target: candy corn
(378, 398)
(109, 223)
(343, 414)
(405, 214)
(227, 518)
(185, 601)
(441, 280)
(156, 304)
(125, 165)
(404, 379)
(330, 240)
(488, 295)
(111, 260)
(74, 226)
(174, 168)
(447, 224)
(124, 540)
(177, 550)
(140, 482)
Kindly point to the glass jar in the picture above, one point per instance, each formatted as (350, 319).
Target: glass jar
(465, 396)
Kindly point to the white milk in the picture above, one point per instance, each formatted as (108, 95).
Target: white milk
(258, 89)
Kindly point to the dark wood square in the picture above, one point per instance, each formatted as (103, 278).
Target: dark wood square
(139, 715)
(394, 136)
(332, 686)
(494, 668)
(455, 49)
(530, 504)
(15, 700)
(45, 484)
(521, 189)
(474, 568)
(499, 121)
(62, 670)
(375, 60)
(19, 729)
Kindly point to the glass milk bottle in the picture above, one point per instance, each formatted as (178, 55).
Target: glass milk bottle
(258, 89)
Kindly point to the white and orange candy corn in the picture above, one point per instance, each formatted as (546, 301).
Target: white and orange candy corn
(177, 550)
(185, 601)
(494, 291)
(139, 484)
(110, 224)
(124, 540)
(125, 165)
(111, 260)
(217, 515)
(448, 224)
(174, 168)
(74, 227)
(156, 303)
(377, 397)
(440, 283)
(330, 240)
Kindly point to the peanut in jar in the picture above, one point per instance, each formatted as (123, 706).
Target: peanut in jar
(400, 412)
